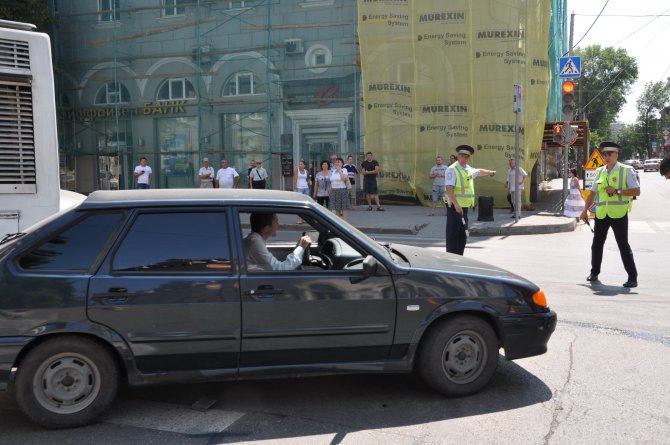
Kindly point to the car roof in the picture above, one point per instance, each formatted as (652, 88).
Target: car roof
(180, 197)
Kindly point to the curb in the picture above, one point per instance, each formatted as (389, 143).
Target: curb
(523, 230)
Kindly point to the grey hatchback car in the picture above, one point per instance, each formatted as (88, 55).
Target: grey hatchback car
(155, 286)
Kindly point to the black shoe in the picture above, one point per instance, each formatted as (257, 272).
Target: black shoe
(592, 277)
(630, 283)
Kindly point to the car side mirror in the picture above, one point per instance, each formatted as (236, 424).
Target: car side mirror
(369, 269)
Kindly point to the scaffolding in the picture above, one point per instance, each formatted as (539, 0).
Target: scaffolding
(183, 81)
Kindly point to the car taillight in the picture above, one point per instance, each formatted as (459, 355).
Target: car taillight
(539, 298)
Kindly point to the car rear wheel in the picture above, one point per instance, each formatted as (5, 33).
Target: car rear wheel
(66, 382)
(459, 356)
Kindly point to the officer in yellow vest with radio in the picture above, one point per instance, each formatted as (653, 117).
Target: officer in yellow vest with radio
(459, 182)
(614, 187)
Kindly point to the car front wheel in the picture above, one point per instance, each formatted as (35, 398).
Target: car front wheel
(66, 382)
(459, 356)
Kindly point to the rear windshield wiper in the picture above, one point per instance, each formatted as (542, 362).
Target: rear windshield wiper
(10, 236)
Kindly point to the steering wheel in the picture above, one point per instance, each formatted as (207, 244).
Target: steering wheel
(321, 260)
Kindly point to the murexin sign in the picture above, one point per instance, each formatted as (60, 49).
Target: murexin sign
(437, 74)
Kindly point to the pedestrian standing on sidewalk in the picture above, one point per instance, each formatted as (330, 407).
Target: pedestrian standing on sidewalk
(370, 169)
(437, 174)
(206, 175)
(252, 165)
(510, 184)
(143, 174)
(574, 203)
(322, 184)
(301, 181)
(614, 187)
(227, 177)
(338, 201)
(259, 176)
(461, 196)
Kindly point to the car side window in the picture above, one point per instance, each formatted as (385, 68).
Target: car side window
(75, 248)
(326, 251)
(176, 242)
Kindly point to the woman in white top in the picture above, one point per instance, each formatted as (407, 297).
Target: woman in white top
(339, 196)
(301, 181)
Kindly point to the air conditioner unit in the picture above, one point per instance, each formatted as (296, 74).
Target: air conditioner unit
(294, 46)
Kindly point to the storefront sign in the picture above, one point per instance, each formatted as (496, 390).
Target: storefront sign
(147, 109)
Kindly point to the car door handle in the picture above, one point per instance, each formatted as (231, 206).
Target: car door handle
(118, 290)
(264, 291)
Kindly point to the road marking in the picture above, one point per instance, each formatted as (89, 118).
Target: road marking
(170, 417)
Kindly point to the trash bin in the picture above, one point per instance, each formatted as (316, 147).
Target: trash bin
(485, 208)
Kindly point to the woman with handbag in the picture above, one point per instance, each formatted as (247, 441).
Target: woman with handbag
(322, 184)
(339, 193)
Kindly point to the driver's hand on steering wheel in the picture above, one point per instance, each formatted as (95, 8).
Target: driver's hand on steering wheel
(304, 241)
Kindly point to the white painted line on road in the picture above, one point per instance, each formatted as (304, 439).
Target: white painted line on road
(170, 417)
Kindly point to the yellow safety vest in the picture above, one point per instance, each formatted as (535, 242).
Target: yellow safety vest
(464, 189)
(615, 206)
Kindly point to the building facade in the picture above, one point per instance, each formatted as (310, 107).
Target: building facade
(176, 81)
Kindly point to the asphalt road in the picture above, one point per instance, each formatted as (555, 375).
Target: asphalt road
(602, 381)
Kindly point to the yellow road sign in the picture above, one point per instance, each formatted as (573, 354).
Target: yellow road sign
(596, 160)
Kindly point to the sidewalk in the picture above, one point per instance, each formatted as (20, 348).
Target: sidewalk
(545, 218)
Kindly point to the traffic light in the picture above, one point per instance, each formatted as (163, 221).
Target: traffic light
(568, 100)
(558, 129)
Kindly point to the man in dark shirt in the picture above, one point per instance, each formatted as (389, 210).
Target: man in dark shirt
(370, 169)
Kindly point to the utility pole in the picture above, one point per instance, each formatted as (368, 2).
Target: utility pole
(567, 124)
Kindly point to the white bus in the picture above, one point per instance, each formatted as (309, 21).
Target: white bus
(29, 182)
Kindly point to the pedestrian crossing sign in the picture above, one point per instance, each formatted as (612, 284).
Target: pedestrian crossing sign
(570, 67)
(596, 160)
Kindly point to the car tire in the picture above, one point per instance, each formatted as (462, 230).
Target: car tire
(459, 356)
(66, 382)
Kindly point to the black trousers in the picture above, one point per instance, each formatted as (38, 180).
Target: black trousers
(620, 228)
(456, 236)
(509, 199)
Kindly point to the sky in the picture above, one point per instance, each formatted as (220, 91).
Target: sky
(634, 26)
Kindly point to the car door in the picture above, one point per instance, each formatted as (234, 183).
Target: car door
(170, 289)
(315, 316)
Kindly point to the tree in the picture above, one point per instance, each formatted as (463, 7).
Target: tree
(631, 139)
(607, 77)
(656, 97)
(37, 12)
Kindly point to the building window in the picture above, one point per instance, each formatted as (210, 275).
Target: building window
(242, 83)
(108, 10)
(112, 93)
(176, 89)
(237, 4)
(318, 57)
(173, 7)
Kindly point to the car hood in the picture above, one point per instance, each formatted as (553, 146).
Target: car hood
(428, 259)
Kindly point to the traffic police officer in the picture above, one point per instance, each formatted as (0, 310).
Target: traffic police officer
(614, 187)
(460, 188)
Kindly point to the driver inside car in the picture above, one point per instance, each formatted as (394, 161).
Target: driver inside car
(263, 226)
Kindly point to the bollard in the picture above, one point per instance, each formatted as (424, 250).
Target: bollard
(485, 208)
